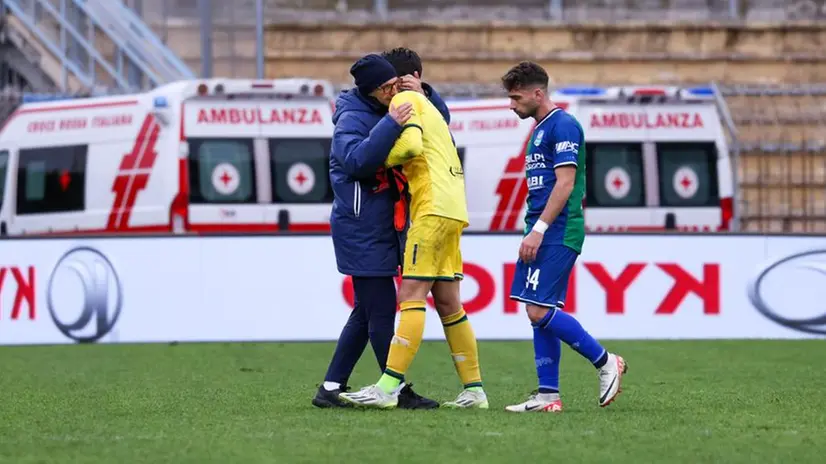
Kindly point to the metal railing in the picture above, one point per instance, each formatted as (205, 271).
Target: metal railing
(230, 40)
(96, 43)
(143, 46)
(554, 10)
(782, 139)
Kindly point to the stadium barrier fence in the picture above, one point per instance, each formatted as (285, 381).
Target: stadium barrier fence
(229, 288)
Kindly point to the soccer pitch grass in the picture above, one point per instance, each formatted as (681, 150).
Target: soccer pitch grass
(718, 401)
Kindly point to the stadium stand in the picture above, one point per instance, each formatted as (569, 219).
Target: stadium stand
(521, 10)
(746, 46)
(782, 159)
(659, 40)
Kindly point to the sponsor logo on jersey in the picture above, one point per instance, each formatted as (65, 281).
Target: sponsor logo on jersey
(535, 161)
(538, 140)
(566, 147)
(536, 182)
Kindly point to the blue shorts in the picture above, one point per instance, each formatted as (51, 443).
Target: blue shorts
(544, 282)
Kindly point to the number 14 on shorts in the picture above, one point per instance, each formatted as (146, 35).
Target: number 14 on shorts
(532, 278)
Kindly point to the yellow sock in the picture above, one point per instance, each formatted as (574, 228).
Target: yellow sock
(462, 342)
(405, 343)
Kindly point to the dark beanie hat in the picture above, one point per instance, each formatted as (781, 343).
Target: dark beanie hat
(371, 72)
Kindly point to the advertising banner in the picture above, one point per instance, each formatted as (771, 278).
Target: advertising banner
(106, 290)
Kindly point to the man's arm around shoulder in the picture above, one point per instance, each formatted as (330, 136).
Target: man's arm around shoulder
(410, 143)
(359, 149)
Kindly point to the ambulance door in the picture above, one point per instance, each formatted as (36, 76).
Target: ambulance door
(6, 185)
(689, 197)
(225, 179)
(302, 195)
(297, 158)
(619, 190)
(684, 156)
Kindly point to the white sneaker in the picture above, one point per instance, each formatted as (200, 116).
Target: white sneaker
(610, 379)
(538, 402)
(468, 399)
(372, 396)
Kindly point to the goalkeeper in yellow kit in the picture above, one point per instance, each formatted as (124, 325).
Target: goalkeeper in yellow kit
(432, 256)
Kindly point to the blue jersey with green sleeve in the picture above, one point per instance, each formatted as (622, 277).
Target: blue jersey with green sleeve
(557, 140)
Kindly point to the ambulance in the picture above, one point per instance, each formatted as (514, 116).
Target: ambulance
(219, 155)
(657, 159)
(252, 156)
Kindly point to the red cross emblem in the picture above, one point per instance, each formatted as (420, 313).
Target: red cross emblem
(225, 178)
(65, 180)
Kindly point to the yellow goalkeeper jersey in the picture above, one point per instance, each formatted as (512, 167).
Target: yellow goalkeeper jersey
(429, 160)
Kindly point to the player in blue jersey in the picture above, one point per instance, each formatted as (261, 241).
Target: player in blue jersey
(554, 233)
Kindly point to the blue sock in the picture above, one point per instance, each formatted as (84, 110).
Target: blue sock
(569, 330)
(547, 351)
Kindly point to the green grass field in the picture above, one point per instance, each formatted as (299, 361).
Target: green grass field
(749, 401)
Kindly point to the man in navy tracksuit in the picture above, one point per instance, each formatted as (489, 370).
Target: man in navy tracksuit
(368, 245)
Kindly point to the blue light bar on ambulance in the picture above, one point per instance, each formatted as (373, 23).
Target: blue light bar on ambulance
(612, 93)
(700, 91)
(581, 91)
(697, 93)
(46, 97)
(160, 102)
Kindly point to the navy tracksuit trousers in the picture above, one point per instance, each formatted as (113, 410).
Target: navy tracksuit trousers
(373, 318)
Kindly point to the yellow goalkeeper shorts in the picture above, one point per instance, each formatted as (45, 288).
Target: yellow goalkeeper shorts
(432, 251)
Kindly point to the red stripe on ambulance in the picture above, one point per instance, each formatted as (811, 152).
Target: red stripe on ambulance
(131, 179)
(512, 190)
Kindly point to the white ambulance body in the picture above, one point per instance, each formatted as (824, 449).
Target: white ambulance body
(235, 155)
(199, 156)
(656, 158)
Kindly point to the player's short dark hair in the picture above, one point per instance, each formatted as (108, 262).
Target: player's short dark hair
(525, 74)
(405, 60)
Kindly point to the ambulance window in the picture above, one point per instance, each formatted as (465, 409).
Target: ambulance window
(51, 180)
(221, 171)
(614, 175)
(688, 174)
(299, 170)
(4, 162)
